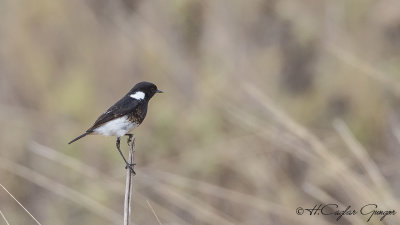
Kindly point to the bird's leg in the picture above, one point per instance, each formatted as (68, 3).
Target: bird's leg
(126, 162)
(130, 142)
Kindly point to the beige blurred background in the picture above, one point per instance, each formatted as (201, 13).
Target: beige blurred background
(269, 105)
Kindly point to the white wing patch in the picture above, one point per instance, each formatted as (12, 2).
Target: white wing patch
(117, 127)
(138, 95)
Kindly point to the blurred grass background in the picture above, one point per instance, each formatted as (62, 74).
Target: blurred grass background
(269, 105)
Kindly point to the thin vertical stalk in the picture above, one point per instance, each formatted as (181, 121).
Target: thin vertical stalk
(129, 183)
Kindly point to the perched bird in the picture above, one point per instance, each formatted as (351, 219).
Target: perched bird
(124, 116)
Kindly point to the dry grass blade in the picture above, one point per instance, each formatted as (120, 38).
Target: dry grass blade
(61, 190)
(356, 186)
(230, 195)
(361, 154)
(216, 191)
(5, 219)
(365, 67)
(196, 207)
(154, 212)
(323, 196)
(71, 162)
(20, 205)
(271, 133)
(91, 172)
(106, 181)
(165, 211)
(289, 123)
(332, 163)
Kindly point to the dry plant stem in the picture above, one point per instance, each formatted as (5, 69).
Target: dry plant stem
(59, 189)
(154, 212)
(5, 219)
(129, 182)
(12, 196)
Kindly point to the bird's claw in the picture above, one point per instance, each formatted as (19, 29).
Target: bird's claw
(130, 166)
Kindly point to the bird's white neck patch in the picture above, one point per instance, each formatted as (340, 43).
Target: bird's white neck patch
(138, 95)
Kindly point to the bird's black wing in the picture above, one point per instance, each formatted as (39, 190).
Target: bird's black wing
(119, 109)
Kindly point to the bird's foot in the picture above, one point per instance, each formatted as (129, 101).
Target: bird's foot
(130, 166)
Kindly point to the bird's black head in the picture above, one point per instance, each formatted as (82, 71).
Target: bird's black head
(144, 90)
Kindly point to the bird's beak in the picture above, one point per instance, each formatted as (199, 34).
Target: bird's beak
(159, 91)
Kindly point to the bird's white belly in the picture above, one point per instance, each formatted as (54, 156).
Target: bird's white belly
(117, 127)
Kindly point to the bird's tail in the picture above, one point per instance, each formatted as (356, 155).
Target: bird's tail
(79, 137)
